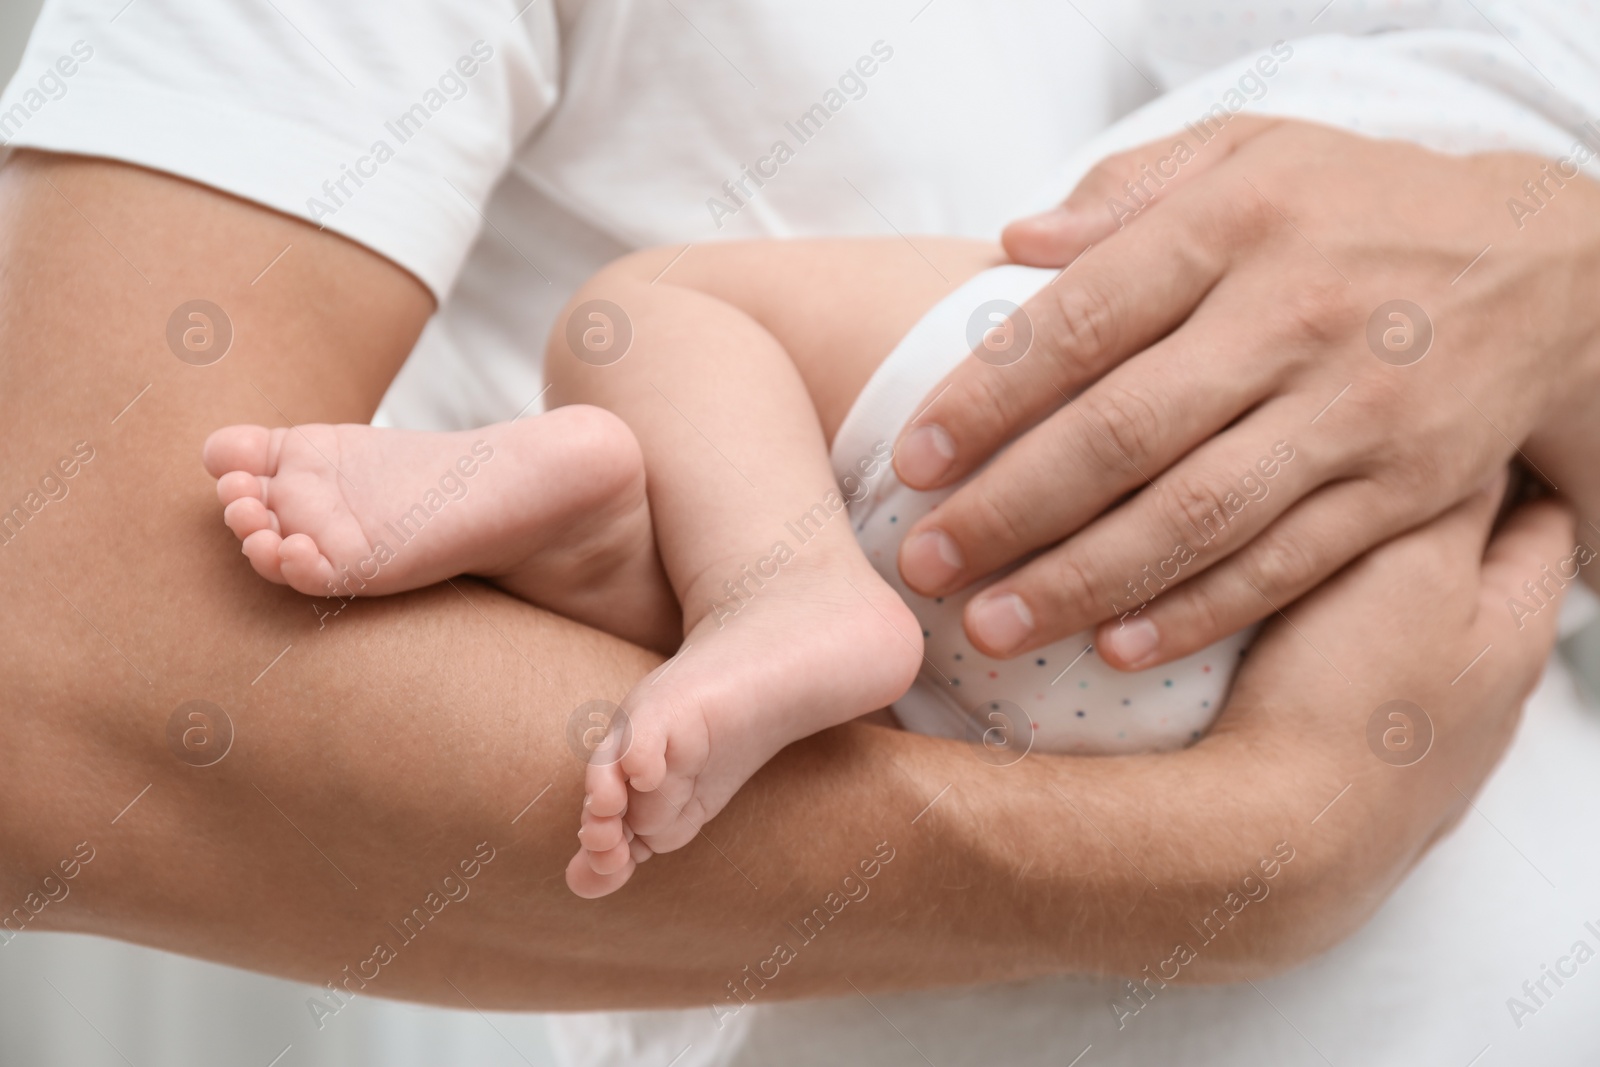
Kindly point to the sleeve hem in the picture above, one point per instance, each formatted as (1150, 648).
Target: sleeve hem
(404, 212)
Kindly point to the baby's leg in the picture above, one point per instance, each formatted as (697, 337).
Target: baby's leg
(789, 629)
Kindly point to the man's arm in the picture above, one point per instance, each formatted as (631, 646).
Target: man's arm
(383, 755)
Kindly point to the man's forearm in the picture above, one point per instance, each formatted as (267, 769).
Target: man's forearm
(400, 798)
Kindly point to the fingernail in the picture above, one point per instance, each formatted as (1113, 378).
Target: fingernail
(1133, 642)
(931, 561)
(924, 455)
(1000, 622)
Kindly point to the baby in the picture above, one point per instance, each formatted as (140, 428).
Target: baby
(679, 493)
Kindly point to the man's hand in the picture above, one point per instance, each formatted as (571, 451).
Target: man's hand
(1312, 759)
(1336, 338)
(1382, 670)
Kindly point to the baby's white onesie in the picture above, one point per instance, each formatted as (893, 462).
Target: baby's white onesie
(1061, 698)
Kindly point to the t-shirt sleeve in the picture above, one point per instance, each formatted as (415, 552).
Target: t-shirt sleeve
(389, 123)
(1454, 78)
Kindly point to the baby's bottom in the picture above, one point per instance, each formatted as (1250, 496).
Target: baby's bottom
(1060, 698)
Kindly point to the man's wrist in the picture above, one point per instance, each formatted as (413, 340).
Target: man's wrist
(1132, 856)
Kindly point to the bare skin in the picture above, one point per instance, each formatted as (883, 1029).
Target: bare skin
(410, 729)
(552, 510)
(353, 510)
(1228, 316)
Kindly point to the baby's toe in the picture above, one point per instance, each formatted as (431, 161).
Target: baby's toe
(645, 762)
(239, 448)
(670, 838)
(612, 860)
(601, 834)
(247, 515)
(584, 882)
(261, 549)
(606, 791)
(305, 568)
(239, 485)
(661, 818)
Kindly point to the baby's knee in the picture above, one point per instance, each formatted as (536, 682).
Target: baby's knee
(593, 330)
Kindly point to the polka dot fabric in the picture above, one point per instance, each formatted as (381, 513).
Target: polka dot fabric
(1070, 700)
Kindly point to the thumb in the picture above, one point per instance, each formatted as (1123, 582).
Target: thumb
(1535, 536)
(1122, 186)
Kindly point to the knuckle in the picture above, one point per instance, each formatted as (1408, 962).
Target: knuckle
(987, 520)
(1373, 408)
(1127, 421)
(1244, 216)
(1079, 325)
(1071, 591)
(1410, 466)
(1196, 507)
(1422, 467)
(1321, 310)
(1280, 563)
(1428, 458)
(982, 404)
(1380, 395)
(1205, 612)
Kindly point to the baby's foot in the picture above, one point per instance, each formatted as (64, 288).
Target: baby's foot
(551, 508)
(822, 642)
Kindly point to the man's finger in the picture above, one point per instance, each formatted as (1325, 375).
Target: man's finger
(1292, 556)
(1119, 189)
(1117, 436)
(1513, 631)
(1434, 556)
(1122, 298)
(1194, 517)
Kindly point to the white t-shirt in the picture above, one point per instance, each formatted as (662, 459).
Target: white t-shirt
(501, 153)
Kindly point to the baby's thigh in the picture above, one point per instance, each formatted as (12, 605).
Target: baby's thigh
(837, 305)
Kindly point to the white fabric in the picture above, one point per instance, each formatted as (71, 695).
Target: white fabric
(1059, 698)
(599, 125)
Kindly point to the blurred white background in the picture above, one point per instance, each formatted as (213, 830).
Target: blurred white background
(68, 1001)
